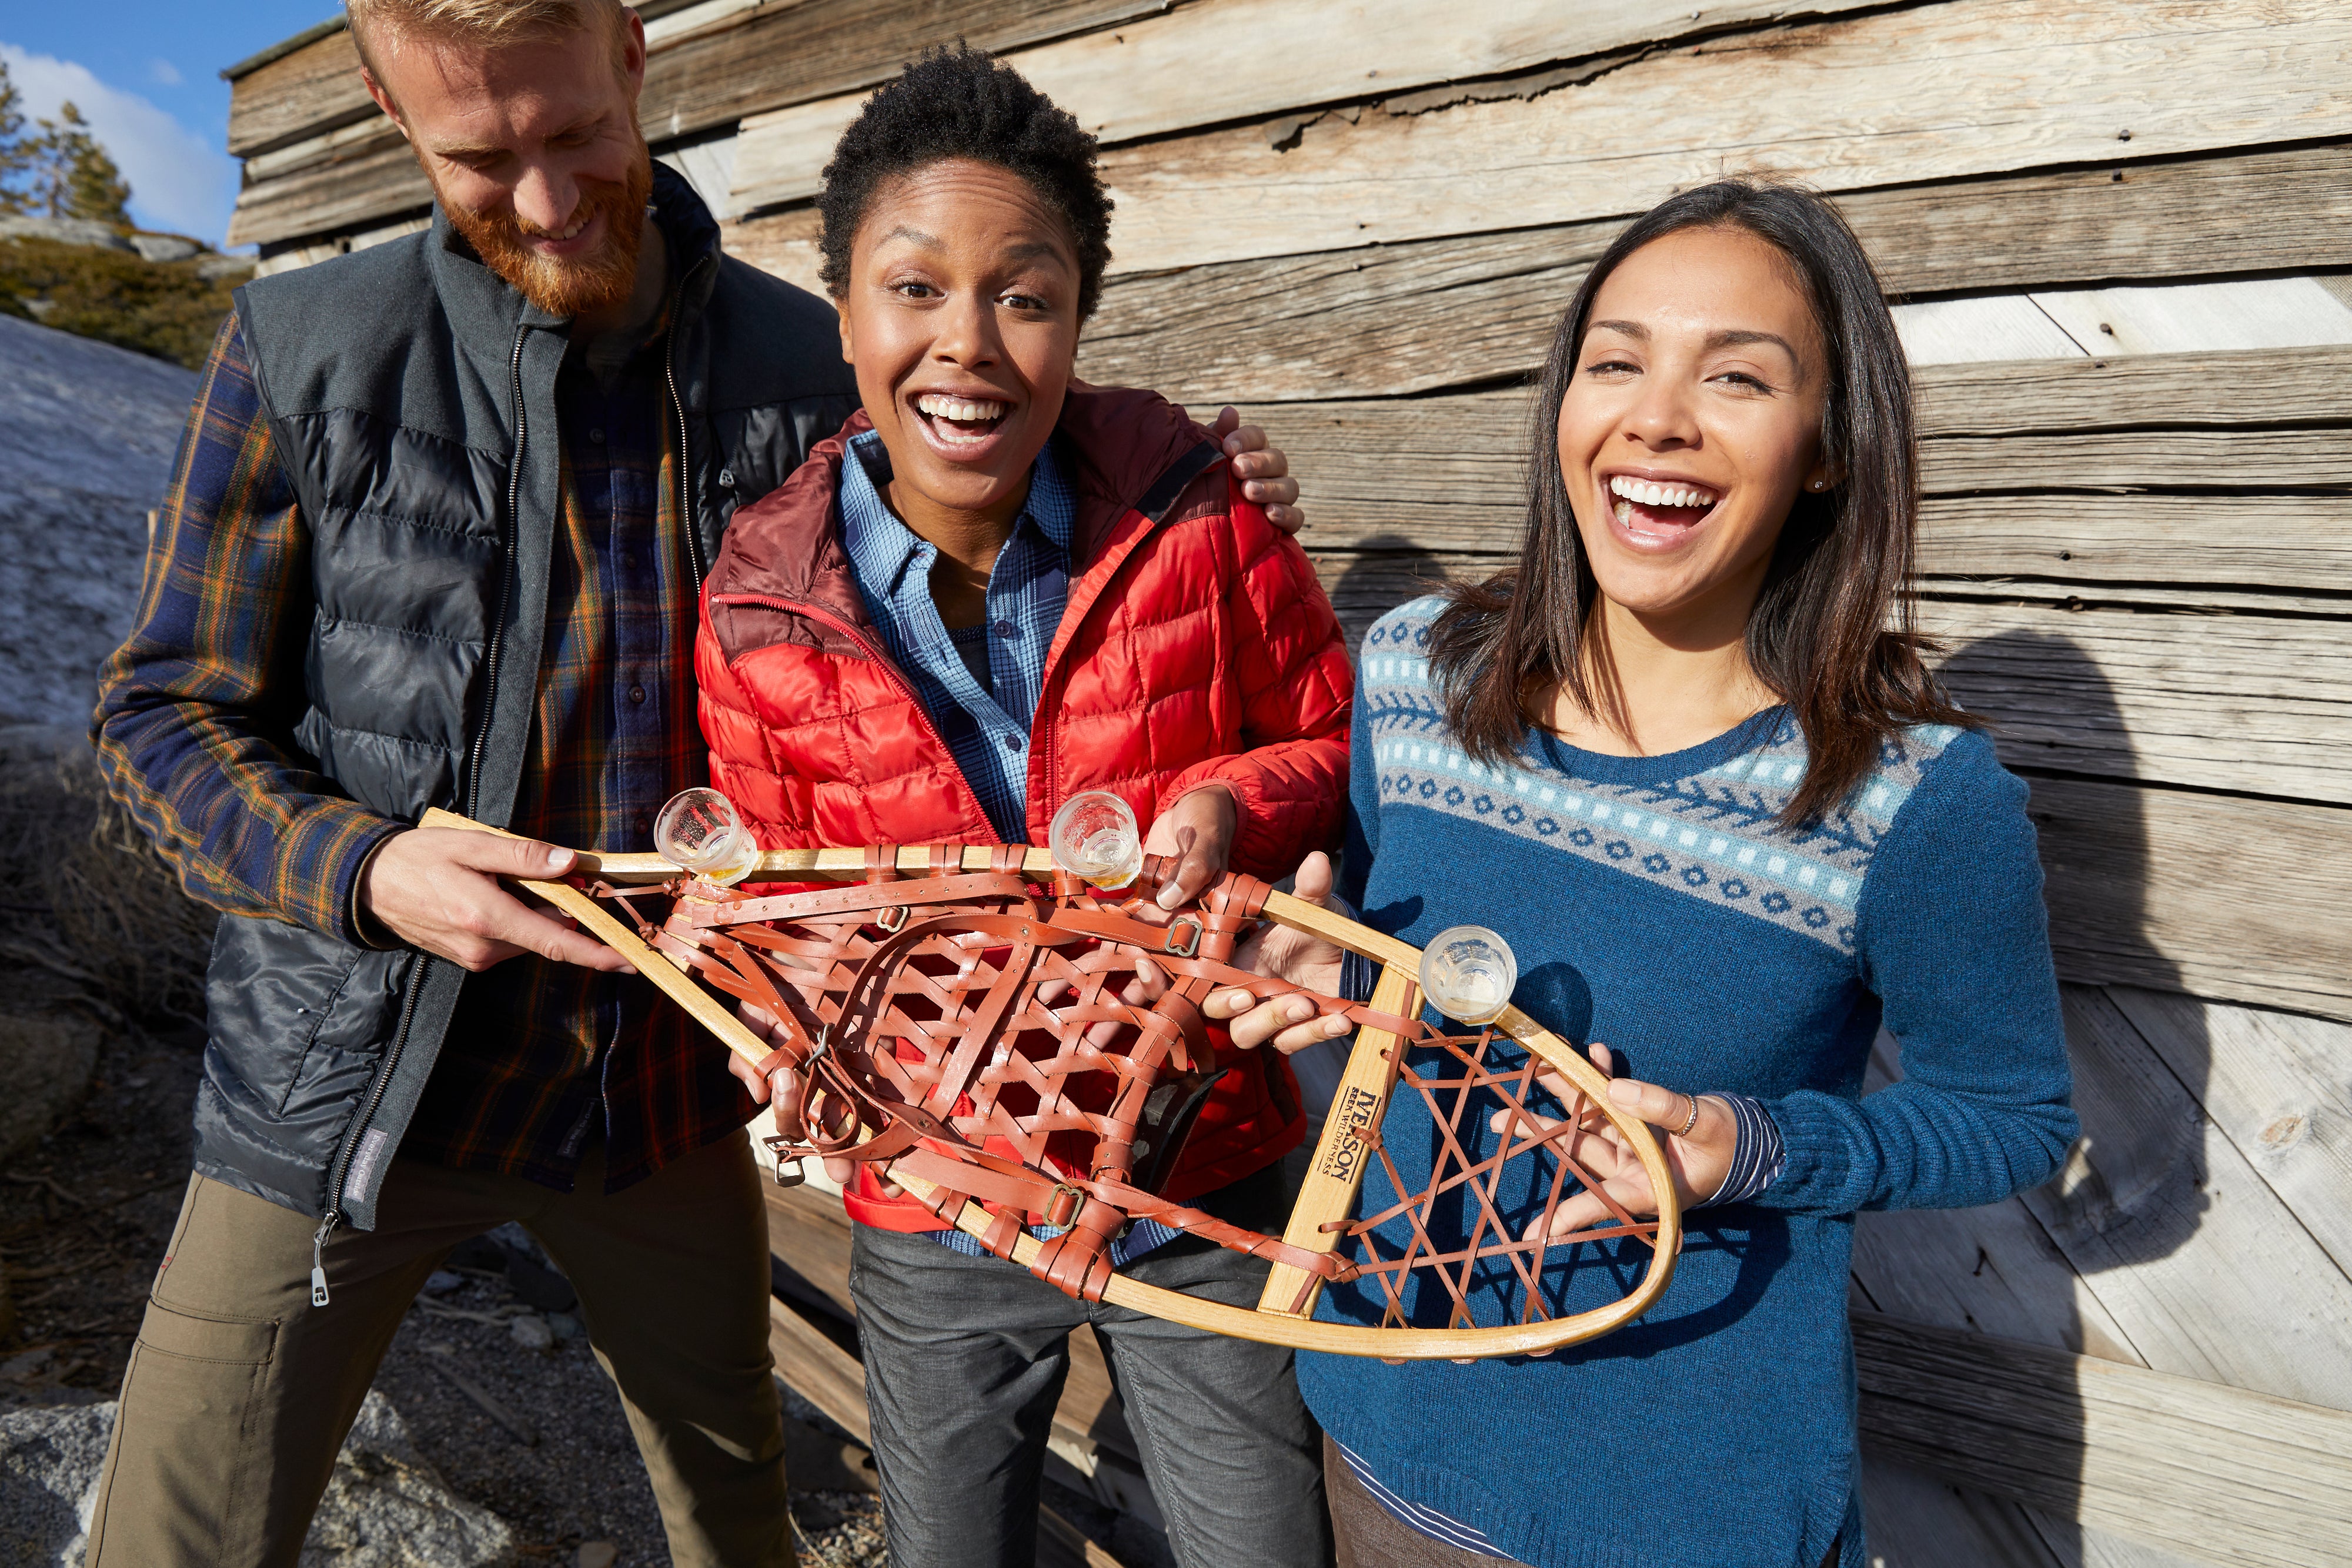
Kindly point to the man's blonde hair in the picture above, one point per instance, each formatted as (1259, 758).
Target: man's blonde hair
(480, 24)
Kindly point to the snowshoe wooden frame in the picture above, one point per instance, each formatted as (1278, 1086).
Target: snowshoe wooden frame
(827, 963)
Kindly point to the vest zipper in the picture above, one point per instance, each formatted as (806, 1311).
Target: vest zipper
(881, 662)
(677, 408)
(341, 1171)
(491, 659)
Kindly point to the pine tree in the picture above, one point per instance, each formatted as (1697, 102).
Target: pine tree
(18, 157)
(78, 179)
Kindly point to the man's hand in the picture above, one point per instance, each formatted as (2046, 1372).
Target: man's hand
(1292, 1022)
(788, 1093)
(1199, 828)
(437, 888)
(1266, 472)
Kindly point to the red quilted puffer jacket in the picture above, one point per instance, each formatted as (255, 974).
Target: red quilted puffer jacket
(1196, 646)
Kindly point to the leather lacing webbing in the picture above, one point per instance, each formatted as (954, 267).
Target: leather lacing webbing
(945, 1021)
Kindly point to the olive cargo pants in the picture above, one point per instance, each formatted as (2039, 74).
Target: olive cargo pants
(239, 1391)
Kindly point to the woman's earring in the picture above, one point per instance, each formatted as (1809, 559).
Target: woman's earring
(1820, 484)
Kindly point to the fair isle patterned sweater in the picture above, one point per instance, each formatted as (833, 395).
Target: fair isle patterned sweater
(1654, 905)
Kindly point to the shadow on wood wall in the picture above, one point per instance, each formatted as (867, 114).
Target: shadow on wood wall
(2134, 1188)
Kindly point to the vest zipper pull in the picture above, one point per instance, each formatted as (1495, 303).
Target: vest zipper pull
(318, 1257)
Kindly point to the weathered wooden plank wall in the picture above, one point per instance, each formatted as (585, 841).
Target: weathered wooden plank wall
(2121, 230)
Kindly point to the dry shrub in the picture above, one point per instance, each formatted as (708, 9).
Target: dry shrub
(166, 309)
(89, 899)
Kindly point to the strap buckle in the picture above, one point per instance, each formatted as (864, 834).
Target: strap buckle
(893, 919)
(1190, 946)
(797, 1174)
(1062, 1205)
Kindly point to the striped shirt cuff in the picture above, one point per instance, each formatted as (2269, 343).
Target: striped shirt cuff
(1757, 1159)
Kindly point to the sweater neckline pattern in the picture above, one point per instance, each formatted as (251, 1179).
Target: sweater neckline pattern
(1701, 823)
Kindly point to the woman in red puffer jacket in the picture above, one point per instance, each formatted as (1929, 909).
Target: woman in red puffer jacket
(1195, 649)
(1002, 588)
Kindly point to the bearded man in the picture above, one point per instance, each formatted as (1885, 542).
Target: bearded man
(434, 537)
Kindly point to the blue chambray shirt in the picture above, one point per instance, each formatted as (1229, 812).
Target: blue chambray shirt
(988, 734)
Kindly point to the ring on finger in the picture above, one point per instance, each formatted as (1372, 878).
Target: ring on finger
(1684, 1130)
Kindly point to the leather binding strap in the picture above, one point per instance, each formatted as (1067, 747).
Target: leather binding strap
(968, 1019)
(974, 1030)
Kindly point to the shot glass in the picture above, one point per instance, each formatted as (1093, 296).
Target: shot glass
(1467, 973)
(1094, 836)
(698, 831)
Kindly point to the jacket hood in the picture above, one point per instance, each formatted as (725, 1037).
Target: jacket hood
(1123, 451)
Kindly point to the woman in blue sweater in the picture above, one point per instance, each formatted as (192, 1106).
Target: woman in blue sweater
(1685, 757)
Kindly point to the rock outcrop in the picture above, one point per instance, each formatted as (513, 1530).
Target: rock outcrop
(86, 435)
(385, 1507)
(68, 231)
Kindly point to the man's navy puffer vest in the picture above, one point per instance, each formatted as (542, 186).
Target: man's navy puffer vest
(412, 397)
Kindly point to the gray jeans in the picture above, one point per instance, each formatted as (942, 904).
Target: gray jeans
(965, 1358)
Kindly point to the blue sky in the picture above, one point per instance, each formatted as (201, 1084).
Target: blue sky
(147, 75)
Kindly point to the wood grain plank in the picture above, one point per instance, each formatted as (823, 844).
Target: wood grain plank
(776, 55)
(2234, 899)
(2276, 541)
(301, 94)
(360, 180)
(2220, 390)
(1919, 1520)
(2190, 1251)
(1421, 315)
(808, 1228)
(2227, 1475)
(1932, 92)
(1273, 54)
(2242, 703)
(753, 58)
(1446, 473)
(819, 1371)
(2138, 460)
(1061, 1544)
(2166, 219)
(2286, 542)
(1991, 1270)
(2277, 1085)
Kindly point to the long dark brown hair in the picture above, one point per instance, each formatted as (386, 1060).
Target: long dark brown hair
(1832, 631)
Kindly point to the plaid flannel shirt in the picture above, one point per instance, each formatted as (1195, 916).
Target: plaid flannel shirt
(198, 713)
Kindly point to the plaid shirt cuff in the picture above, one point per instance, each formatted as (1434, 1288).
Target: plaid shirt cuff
(319, 858)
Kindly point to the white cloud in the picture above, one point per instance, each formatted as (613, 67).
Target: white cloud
(179, 181)
(163, 73)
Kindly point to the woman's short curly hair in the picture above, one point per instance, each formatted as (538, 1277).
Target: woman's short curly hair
(964, 102)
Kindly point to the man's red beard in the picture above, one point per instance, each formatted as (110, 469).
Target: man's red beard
(572, 285)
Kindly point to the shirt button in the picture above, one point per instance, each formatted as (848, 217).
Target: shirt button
(596, 434)
(645, 825)
(636, 693)
(1011, 743)
(1007, 630)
